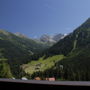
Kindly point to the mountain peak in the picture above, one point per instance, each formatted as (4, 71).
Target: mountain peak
(88, 19)
(20, 35)
(4, 32)
(86, 24)
(1, 30)
(85, 27)
(52, 38)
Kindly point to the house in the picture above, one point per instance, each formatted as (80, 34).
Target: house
(37, 78)
(51, 79)
(61, 67)
(47, 79)
(24, 78)
(13, 78)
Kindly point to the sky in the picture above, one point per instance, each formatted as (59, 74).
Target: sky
(37, 17)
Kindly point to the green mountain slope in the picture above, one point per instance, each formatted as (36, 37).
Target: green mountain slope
(79, 38)
(5, 71)
(18, 50)
(41, 64)
(76, 65)
(76, 49)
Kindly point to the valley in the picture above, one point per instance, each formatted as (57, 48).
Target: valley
(67, 58)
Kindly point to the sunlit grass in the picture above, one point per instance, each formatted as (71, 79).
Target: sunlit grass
(42, 64)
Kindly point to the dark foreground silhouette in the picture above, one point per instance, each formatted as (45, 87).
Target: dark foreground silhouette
(12, 84)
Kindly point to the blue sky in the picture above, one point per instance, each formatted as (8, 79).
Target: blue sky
(36, 17)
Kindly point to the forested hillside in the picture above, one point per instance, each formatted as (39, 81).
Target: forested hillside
(17, 50)
(75, 48)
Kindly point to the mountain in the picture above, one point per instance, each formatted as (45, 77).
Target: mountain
(58, 37)
(51, 38)
(76, 48)
(46, 38)
(17, 49)
(77, 39)
(75, 64)
(20, 41)
(68, 59)
(20, 35)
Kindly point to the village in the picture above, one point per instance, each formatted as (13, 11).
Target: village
(38, 78)
(48, 79)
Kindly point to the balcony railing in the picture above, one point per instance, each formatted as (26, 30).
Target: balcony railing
(41, 83)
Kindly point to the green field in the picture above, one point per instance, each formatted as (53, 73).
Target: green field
(41, 64)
